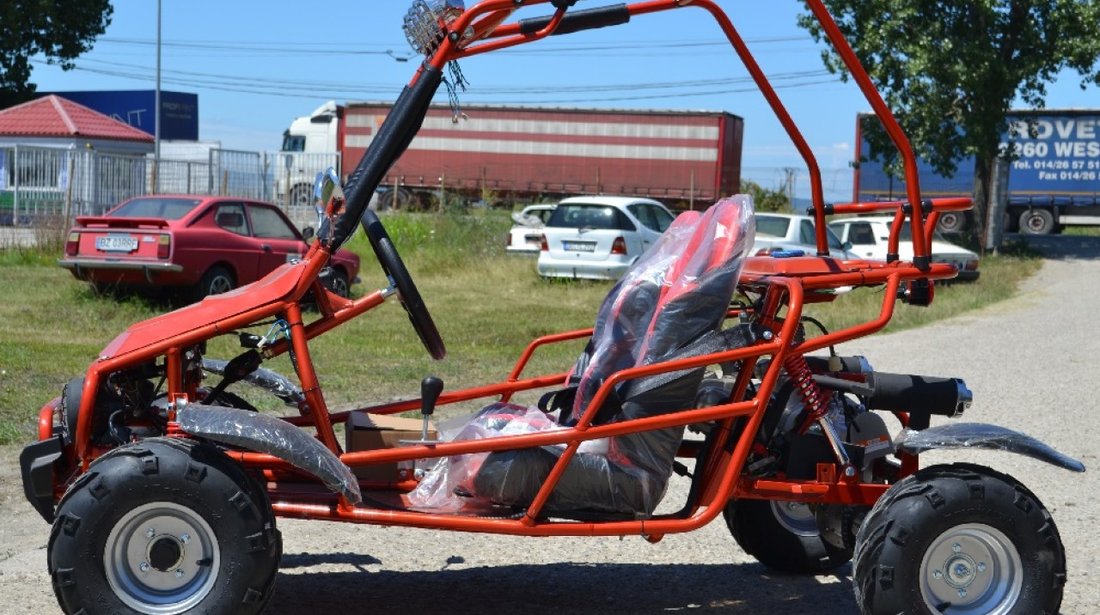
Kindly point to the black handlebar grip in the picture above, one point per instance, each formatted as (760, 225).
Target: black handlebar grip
(575, 21)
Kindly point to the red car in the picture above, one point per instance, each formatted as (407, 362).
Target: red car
(202, 245)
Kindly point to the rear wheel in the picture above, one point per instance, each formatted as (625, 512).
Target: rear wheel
(952, 222)
(1037, 222)
(783, 536)
(398, 199)
(959, 539)
(164, 526)
(217, 280)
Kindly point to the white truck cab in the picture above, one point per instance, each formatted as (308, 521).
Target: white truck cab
(310, 145)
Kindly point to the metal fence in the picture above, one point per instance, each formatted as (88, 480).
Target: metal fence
(49, 186)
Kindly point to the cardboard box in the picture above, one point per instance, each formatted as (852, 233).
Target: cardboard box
(368, 432)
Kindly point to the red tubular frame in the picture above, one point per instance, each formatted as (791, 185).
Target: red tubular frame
(783, 284)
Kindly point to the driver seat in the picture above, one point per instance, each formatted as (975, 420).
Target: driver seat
(669, 305)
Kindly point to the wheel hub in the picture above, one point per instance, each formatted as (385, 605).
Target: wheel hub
(797, 517)
(165, 553)
(161, 558)
(970, 569)
(960, 570)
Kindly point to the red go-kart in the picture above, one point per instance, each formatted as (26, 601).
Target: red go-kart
(163, 485)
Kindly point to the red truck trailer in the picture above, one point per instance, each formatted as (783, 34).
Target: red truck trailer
(504, 153)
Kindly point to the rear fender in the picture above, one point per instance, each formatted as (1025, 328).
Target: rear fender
(981, 435)
(273, 436)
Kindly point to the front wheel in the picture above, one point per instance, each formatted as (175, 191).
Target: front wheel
(301, 196)
(959, 539)
(337, 282)
(164, 526)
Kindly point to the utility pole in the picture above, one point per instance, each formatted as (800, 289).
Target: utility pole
(156, 115)
(788, 184)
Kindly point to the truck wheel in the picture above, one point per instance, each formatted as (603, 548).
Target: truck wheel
(302, 196)
(960, 539)
(952, 222)
(1037, 222)
(783, 536)
(398, 199)
(164, 526)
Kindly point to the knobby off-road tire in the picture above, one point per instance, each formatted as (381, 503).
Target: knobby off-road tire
(959, 539)
(783, 536)
(164, 526)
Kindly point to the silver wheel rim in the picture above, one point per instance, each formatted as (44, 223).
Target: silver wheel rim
(949, 220)
(1035, 223)
(161, 558)
(971, 568)
(796, 517)
(219, 285)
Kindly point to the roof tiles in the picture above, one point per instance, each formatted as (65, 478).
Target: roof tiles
(54, 116)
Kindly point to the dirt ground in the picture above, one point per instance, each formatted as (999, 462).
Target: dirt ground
(1031, 362)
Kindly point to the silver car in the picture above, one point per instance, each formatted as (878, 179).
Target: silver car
(598, 237)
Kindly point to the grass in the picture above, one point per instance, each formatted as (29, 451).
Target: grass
(487, 304)
(1082, 231)
(1000, 277)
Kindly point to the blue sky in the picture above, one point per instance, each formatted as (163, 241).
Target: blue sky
(257, 65)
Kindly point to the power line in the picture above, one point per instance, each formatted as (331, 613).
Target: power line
(237, 80)
(211, 79)
(359, 49)
(282, 89)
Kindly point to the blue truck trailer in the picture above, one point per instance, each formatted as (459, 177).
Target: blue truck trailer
(1053, 173)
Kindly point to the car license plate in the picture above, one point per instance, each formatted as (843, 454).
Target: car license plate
(578, 246)
(116, 243)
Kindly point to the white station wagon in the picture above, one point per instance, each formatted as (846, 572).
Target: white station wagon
(598, 237)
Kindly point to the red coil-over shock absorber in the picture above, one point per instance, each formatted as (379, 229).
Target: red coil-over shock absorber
(812, 396)
(815, 400)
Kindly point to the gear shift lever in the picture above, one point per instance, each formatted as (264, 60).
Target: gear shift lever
(430, 389)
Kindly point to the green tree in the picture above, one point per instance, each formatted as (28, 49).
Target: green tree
(951, 69)
(765, 199)
(60, 30)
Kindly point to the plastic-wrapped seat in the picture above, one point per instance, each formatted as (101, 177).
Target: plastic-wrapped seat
(670, 304)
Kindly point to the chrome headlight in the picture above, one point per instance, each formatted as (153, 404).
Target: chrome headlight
(428, 21)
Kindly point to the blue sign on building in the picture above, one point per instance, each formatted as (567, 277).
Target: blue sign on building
(179, 110)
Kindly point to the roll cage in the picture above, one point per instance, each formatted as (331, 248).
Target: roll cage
(780, 288)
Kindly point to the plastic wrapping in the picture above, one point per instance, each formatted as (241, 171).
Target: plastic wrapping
(456, 474)
(669, 304)
(267, 434)
(981, 435)
(275, 383)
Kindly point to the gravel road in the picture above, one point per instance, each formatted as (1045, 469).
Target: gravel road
(1031, 363)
